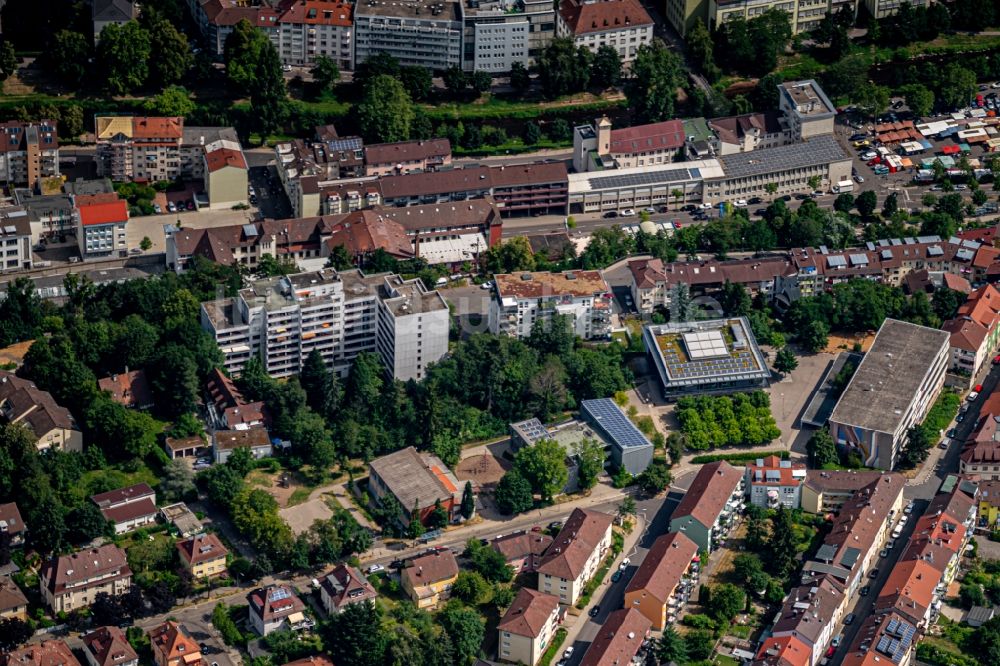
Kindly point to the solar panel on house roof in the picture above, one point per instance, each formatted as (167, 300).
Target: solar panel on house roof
(606, 415)
(887, 254)
(935, 251)
(249, 230)
(859, 260)
(955, 240)
(928, 239)
(347, 143)
(823, 250)
(895, 241)
(836, 261)
(280, 593)
(883, 242)
(975, 245)
(965, 254)
(870, 245)
(644, 178)
(910, 241)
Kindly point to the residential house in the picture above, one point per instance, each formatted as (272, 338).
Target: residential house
(520, 300)
(988, 511)
(130, 389)
(173, 645)
(385, 159)
(111, 12)
(872, 415)
(11, 523)
(203, 555)
(427, 579)
(883, 637)
(68, 582)
(772, 482)
(910, 592)
(711, 505)
(618, 640)
(522, 550)
(313, 28)
(29, 152)
(224, 442)
(784, 651)
(51, 426)
(228, 409)
(980, 455)
(575, 555)
(975, 335)
(47, 653)
(101, 229)
(811, 614)
(139, 147)
(527, 627)
(412, 326)
(418, 481)
(343, 586)
(825, 491)
(13, 603)
(128, 508)
(664, 580)
(107, 646)
(276, 607)
(226, 175)
(623, 25)
(749, 131)
(851, 548)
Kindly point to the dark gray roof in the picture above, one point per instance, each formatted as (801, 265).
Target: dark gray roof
(814, 152)
(112, 10)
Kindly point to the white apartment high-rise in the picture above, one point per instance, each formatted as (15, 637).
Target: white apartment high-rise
(282, 320)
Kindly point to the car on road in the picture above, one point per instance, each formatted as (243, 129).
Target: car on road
(849, 619)
(951, 433)
(651, 210)
(688, 208)
(568, 653)
(628, 212)
(837, 640)
(890, 544)
(859, 179)
(677, 224)
(611, 214)
(135, 250)
(753, 201)
(944, 444)
(884, 553)
(858, 137)
(862, 143)
(760, 212)
(595, 611)
(972, 396)
(624, 564)
(375, 568)
(865, 590)
(873, 574)
(616, 576)
(961, 188)
(705, 205)
(740, 203)
(996, 359)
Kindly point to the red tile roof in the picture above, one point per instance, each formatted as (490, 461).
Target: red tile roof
(106, 213)
(709, 492)
(661, 570)
(529, 613)
(602, 16)
(145, 127)
(667, 135)
(224, 157)
(791, 474)
(909, 590)
(580, 536)
(783, 651)
(201, 548)
(48, 653)
(109, 647)
(129, 388)
(318, 12)
(618, 640)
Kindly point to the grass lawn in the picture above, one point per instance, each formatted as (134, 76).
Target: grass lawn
(726, 660)
(298, 496)
(552, 651)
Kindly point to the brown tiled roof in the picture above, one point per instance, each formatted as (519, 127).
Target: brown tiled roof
(106, 560)
(965, 334)
(871, 632)
(580, 536)
(529, 613)
(224, 157)
(173, 641)
(435, 182)
(11, 596)
(145, 127)
(840, 481)
(234, 439)
(790, 474)
(316, 660)
(862, 518)
(48, 653)
(909, 590)
(431, 568)
(318, 12)
(709, 492)
(823, 596)
(647, 273)
(474, 215)
(521, 544)
(222, 391)
(129, 388)
(346, 585)
(544, 284)
(661, 570)
(274, 601)
(201, 548)
(943, 530)
(365, 231)
(184, 443)
(10, 519)
(601, 16)
(618, 640)
(13, 135)
(536, 173)
(784, 651)
(731, 129)
(406, 151)
(246, 414)
(125, 512)
(34, 408)
(666, 135)
(109, 647)
(121, 495)
(959, 283)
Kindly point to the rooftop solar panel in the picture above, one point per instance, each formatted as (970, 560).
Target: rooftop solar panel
(816, 151)
(975, 245)
(347, 143)
(531, 430)
(935, 251)
(870, 245)
(928, 239)
(859, 260)
(644, 178)
(886, 254)
(965, 254)
(836, 261)
(604, 414)
(896, 241)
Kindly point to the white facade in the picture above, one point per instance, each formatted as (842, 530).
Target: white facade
(96, 240)
(497, 46)
(412, 328)
(423, 33)
(521, 299)
(569, 590)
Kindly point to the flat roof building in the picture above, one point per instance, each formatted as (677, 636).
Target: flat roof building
(892, 389)
(427, 33)
(520, 300)
(629, 447)
(712, 356)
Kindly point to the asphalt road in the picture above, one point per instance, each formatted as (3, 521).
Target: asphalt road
(272, 202)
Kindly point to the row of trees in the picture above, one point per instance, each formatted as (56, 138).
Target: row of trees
(713, 421)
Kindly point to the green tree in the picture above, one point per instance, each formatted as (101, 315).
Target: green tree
(355, 636)
(785, 361)
(544, 466)
(651, 89)
(68, 57)
(173, 55)
(726, 601)
(468, 501)
(123, 56)
(520, 79)
(734, 299)
(472, 588)
(590, 462)
(509, 256)
(917, 448)
(757, 530)
(532, 133)
(670, 647)
(919, 99)
(844, 202)
(606, 72)
(243, 52)
(225, 626)
(320, 384)
(325, 73)
(481, 82)
(699, 644)
(386, 112)
(957, 85)
(781, 545)
(13, 630)
(655, 479)
(172, 101)
(814, 336)
(822, 449)
(177, 481)
(455, 81)
(699, 47)
(417, 81)
(563, 68)
(175, 381)
(465, 628)
(268, 97)
(871, 99)
(513, 494)
(489, 562)
(890, 206)
(627, 507)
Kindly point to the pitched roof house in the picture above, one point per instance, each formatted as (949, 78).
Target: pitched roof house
(575, 554)
(11, 523)
(107, 646)
(528, 626)
(343, 586)
(72, 581)
(522, 550)
(203, 555)
(128, 508)
(173, 645)
(652, 589)
(713, 495)
(51, 425)
(130, 389)
(13, 603)
(276, 607)
(46, 653)
(618, 640)
(428, 578)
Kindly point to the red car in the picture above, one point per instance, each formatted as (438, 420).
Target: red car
(979, 388)
(677, 225)
(996, 359)
(873, 162)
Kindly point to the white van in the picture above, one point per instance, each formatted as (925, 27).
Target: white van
(843, 186)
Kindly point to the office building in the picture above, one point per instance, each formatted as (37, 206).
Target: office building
(803, 15)
(69, 582)
(629, 447)
(710, 356)
(499, 33)
(523, 300)
(427, 33)
(599, 147)
(340, 314)
(891, 391)
(750, 131)
(623, 25)
(575, 555)
(528, 626)
(806, 108)
(710, 506)
(100, 232)
(29, 152)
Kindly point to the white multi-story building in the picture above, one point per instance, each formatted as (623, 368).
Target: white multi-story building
(521, 299)
(28, 152)
(499, 33)
(311, 28)
(621, 24)
(528, 626)
(427, 33)
(101, 228)
(15, 240)
(282, 320)
(773, 482)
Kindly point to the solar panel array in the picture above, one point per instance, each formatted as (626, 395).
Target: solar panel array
(734, 362)
(644, 178)
(896, 640)
(532, 430)
(605, 414)
(964, 254)
(279, 593)
(347, 143)
(814, 152)
(935, 251)
(704, 344)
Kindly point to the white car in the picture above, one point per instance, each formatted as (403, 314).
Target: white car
(741, 203)
(628, 212)
(568, 653)
(375, 568)
(972, 396)
(625, 563)
(649, 209)
(486, 285)
(706, 206)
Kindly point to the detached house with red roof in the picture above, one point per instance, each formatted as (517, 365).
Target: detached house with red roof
(173, 645)
(226, 175)
(128, 508)
(276, 607)
(528, 626)
(975, 335)
(101, 224)
(783, 651)
(107, 646)
(621, 24)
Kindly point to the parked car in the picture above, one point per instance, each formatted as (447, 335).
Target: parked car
(616, 576)
(595, 611)
(628, 212)
(884, 553)
(375, 568)
(849, 619)
(486, 285)
(568, 653)
(859, 137)
(740, 203)
(863, 143)
(171, 206)
(859, 179)
(157, 209)
(624, 563)
(611, 214)
(865, 590)
(705, 206)
(649, 209)
(972, 396)
(190, 205)
(689, 207)
(753, 201)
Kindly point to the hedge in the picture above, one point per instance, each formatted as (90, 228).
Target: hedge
(738, 457)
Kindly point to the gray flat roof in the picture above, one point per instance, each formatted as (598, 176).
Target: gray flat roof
(645, 178)
(814, 152)
(889, 376)
(420, 10)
